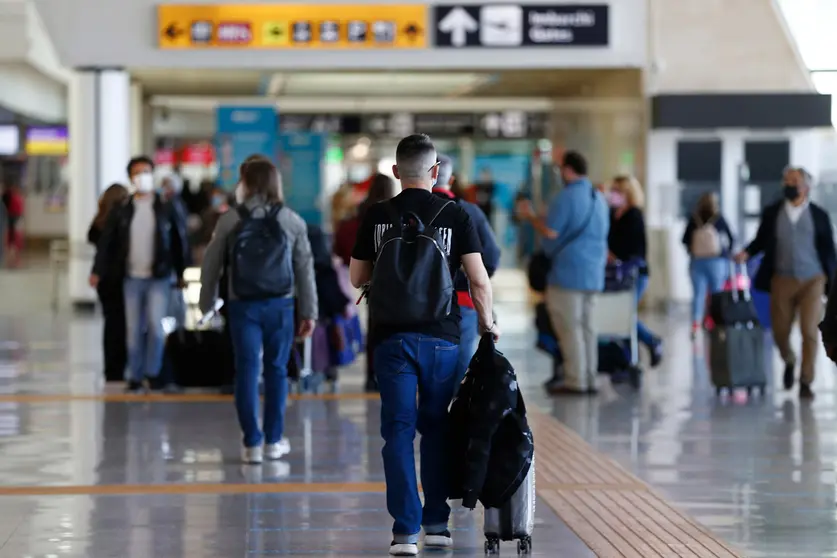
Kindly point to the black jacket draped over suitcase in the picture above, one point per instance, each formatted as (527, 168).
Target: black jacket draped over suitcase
(491, 445)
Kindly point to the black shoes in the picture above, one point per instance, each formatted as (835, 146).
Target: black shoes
(788, 377)
(135, 388)
(805, 392)
(656, 350)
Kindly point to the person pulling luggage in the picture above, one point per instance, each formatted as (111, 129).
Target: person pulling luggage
(418, 241)
(796, 237)
(262, 249)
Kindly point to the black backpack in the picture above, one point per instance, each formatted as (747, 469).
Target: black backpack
(411, 281)
(261, 257)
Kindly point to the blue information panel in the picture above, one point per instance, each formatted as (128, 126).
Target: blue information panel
(301, 161)
(241, 132)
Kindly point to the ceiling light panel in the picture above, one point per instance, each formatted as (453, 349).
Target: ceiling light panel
(381, 84)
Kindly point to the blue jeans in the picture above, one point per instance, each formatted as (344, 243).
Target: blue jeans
(469, 339)
(645, 335)
(407, 365)
(146, 304)
(261, 327)
(708, 276)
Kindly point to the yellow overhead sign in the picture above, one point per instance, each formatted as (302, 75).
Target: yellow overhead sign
(297, 26)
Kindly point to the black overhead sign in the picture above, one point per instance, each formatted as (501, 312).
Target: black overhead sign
(511, 26)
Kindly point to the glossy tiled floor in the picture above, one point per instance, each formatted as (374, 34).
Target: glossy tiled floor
(82, 475)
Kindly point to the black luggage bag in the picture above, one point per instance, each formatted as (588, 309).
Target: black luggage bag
(199, 359)
(736, 342)
(735, 306)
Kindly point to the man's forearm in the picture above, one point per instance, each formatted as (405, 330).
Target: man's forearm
(484, 303)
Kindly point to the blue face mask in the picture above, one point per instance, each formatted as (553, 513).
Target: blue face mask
(218, 201)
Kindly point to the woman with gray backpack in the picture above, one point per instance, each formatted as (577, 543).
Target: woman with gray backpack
(709, 242)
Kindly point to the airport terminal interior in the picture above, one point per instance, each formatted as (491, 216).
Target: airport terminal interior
(687, 100)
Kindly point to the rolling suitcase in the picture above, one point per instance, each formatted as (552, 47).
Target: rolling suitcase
(736, 343)
(515, 520)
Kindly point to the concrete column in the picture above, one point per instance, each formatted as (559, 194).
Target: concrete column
(100, 147)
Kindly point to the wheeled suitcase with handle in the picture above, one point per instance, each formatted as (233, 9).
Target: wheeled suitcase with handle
(515, 520)
(734, 305)
(736, 342)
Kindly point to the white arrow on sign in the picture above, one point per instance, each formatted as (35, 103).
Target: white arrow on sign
(458, 23)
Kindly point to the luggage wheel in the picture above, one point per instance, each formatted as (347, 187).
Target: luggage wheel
(492, 545)
(524, 546)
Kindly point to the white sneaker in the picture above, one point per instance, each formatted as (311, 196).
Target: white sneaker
(272, 452)
(439, 540)
(252, 456)
(403, 549)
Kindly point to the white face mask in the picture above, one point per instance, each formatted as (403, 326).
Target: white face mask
(144, 183)
(239, 193)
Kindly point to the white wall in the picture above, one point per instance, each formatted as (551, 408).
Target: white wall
(722, 46)
(25, 90)
(40, 223)
(85, 34)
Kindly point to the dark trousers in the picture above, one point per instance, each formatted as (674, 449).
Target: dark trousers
(114, 339)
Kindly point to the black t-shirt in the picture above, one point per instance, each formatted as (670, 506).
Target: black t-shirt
(460, 238)
(485, 198)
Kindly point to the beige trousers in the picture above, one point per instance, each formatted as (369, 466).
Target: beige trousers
(571, 314)
(789, 297)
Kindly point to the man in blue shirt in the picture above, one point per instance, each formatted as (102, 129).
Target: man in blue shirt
(575, 240)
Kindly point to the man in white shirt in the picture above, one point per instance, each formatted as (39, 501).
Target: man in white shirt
(145, 242)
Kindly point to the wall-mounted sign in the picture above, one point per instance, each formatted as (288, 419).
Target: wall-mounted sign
(510, 124)
(283, 26)
(512, 26)
(9, 140)
(47, 141)
(240, 133)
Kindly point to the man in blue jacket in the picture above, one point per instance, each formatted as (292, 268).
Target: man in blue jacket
(469, 336)
(575, 240)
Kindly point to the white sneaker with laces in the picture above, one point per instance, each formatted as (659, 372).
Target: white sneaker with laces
(252, 456)
(272, 452)
(403, 549)
(438, 540)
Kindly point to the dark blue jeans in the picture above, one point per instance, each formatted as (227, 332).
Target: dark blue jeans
(256, 326)
(469, 338)
(409, 365)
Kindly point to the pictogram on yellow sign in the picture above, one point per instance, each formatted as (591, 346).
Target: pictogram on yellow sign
(298, 26)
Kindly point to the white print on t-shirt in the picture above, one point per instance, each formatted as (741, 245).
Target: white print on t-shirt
(445, 233)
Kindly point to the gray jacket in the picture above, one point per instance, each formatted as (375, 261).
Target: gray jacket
(216, 254)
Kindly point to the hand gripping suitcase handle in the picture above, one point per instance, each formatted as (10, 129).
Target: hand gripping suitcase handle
(736, 270)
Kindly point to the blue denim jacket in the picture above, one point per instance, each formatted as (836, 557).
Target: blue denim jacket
(578, 264)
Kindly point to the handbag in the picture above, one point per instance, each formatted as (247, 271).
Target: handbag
(540, 263)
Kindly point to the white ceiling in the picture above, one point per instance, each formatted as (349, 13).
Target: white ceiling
(308, 84)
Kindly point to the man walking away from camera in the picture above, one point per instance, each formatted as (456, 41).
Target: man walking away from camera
(468, 326)
(418, 242)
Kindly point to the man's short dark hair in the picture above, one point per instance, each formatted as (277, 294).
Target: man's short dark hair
(139, 160)
(415, 156)
(576, 162)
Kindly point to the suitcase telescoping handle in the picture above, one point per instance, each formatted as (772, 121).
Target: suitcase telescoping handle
(734, 271)
(219, 303)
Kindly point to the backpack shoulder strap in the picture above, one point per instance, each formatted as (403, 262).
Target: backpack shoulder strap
(437, 213)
